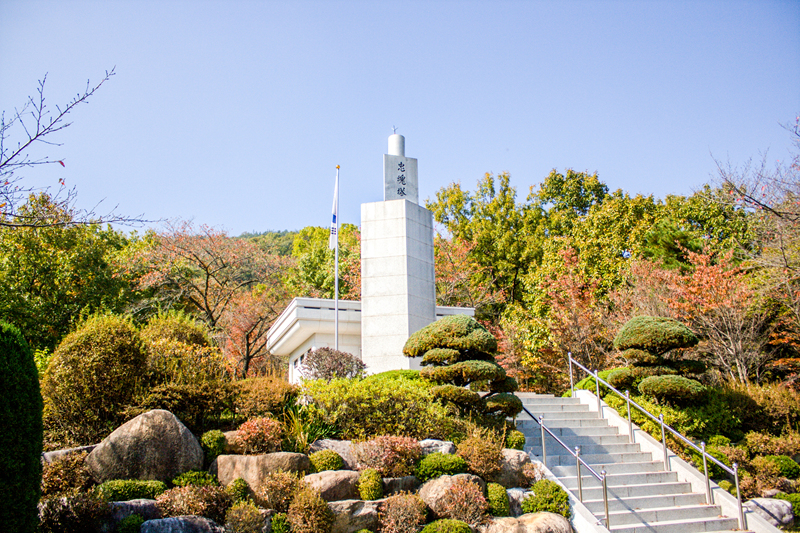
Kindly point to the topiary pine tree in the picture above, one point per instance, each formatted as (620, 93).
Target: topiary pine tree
(645, 342)
(21, 437)
(457, 351)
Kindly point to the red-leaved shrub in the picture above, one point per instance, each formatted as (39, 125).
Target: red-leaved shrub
(390, 456)
(260, 435)
(464, 501)
(402, 513)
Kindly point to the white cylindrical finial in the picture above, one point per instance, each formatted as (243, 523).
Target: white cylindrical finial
(397, 145)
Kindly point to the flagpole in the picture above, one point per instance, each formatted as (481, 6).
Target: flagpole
(336, 268)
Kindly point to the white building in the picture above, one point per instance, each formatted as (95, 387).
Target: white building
(398, 294)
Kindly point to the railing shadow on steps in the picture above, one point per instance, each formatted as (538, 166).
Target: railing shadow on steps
(601, 477)
(733, 470)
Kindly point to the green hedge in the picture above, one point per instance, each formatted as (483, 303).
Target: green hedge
(654, 334)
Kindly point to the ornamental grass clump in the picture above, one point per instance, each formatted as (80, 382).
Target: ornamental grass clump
(260, 435)
(457, 351)
(402, 513)
(309, 512)
(391, 456)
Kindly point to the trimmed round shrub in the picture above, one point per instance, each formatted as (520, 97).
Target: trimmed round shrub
(505, 404)
(447, 525)
(515, 440)
(637, 357)
(260, 435)
(673, 389)
(654, 334)
(787, 466)
(238, 490)
(210, 502)
(729, 487)
(21, 436)
(122, 490)
(244, 517)
(498, 500)
(370, 485)
(464, 501)
(391, 456)
(547, 496)
(464, 373)
(622, 379)
(309, 512)
(280, 524)
(402, 513)
(278, 489)
(131, 524)
(175, 326)
(92, 375)
(66, 476)
(689, 366)
(440, 464)
(82, 513)
(507, 384)
(460, 397)
(484, 458)
(441, 356)
(198, 478)
(328, 364)
(326, 460)
(213, 444)
(459, 332)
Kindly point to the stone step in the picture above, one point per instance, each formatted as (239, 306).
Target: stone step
(565, 423)
(531, 430)
(611, 468)
(535, 439)
(617, 480)
(586, 448)
(555, 458)
(679, 526)
(543, 408)
(664, 514)
(627, 491)
(559, 415)
(644, 502)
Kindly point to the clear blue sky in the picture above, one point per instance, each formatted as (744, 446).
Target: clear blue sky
(236, 113)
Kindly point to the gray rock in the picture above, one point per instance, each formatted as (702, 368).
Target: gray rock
(181, 524)
(528, 523)
(121, 510)
(430, 446)
(392, 485)
(511, 470)
(515, 498)
(154, 445)
(335, 485)
(254, 468)
(432, 491)
(55, 455)
(352, 515)
(776, 512)
(343, 447)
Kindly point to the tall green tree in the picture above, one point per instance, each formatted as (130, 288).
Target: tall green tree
(52, 274)
(313, 273)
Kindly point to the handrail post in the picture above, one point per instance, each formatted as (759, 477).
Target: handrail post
(544, 446)
(571, 379)
(709, 497)
(630, 421)
(597, 387)
(664, 442)
(742, 523)
(578, 461)
(605, 497)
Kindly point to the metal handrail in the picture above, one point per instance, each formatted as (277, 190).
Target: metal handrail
(577, 455)
(733, 471)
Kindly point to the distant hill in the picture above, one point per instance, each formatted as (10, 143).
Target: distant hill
(277, 242)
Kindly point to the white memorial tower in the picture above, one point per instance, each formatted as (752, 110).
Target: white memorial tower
(398, 294)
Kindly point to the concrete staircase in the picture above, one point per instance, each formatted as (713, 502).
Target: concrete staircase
(642, 497)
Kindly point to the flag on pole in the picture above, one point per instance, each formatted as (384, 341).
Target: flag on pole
(333, 242)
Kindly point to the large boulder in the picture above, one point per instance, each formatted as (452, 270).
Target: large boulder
(353, 515)
(511, 470)
(55, 455)
(181, 524)
(335, 485)
(433, 491)
(254, 468)
(121, 510)
(515, 499)
(430, 446)
(528, 523)
(154, 445)
(392, 485)
(343, 447)
(777, 512)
